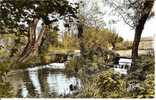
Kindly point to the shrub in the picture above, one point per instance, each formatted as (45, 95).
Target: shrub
(144, 65)
(5, 90)
(105, 85)
(73, 66)
(5, 87)
(144, 76)
(125, 45)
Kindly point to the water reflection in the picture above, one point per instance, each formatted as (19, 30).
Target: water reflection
(43, 82)
(59, 83)
(24, 91)
(33, 74)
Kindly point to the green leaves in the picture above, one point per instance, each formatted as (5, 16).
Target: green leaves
(5, 90)
(5, 87)
(105, 85)
(15, 11)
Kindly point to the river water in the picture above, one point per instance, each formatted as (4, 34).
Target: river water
(44, 81)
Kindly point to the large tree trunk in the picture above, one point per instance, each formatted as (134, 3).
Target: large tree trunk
(34, 41)
(148, 5)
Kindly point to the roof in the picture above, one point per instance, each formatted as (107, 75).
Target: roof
(125, 57)
(147, 38)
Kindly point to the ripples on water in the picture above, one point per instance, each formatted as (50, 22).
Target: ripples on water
(41, 82)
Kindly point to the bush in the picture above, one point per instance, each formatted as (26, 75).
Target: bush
(144, 76)
(145, 89)
(108, 84)
(5, 87)
(144, 65)
(105, 85)
(5, 67)
(5, 90)
(73, 66)
(124, 45)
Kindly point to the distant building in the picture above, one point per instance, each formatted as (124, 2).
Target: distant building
(146, 46)
(146, 43)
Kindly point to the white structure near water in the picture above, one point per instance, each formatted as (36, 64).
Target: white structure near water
(50, 66)
(123, 66)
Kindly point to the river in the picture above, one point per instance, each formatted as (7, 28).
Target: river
(44, 81)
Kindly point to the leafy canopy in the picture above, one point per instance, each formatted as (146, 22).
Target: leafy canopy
(15, 14)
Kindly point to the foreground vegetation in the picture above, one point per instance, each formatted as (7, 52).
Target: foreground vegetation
(102, 82)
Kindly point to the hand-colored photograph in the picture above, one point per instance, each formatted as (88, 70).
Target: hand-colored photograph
(77, 49)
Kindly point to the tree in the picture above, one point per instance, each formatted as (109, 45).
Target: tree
(24, 15)
(114, 38)
(135, 13)
(70, 42)
(88, 18)
(142, 19)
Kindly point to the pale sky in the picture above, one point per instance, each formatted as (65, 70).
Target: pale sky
(121, 28)
(149, 29)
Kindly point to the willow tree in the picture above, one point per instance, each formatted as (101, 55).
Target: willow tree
(24, 15)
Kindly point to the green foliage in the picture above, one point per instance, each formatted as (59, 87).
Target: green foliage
(149, 86)
(5, 88)
(105, 85)
(144, 75)
(97, 42)
(4, 67)
(18, 10)
(74, 65)
(15, 13)
(70, 41)
(93, 37)
(145, 89)
(114, 38)
(51, 39)
(144, 65)
(125, 45)
(51, 44)
(7, 43)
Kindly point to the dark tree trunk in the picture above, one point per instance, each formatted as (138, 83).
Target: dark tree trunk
(138, 32)
(148, 5)
(113, 45)
(81, 38)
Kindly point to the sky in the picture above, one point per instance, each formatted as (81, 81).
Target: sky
(121, 28)
(149, 29)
